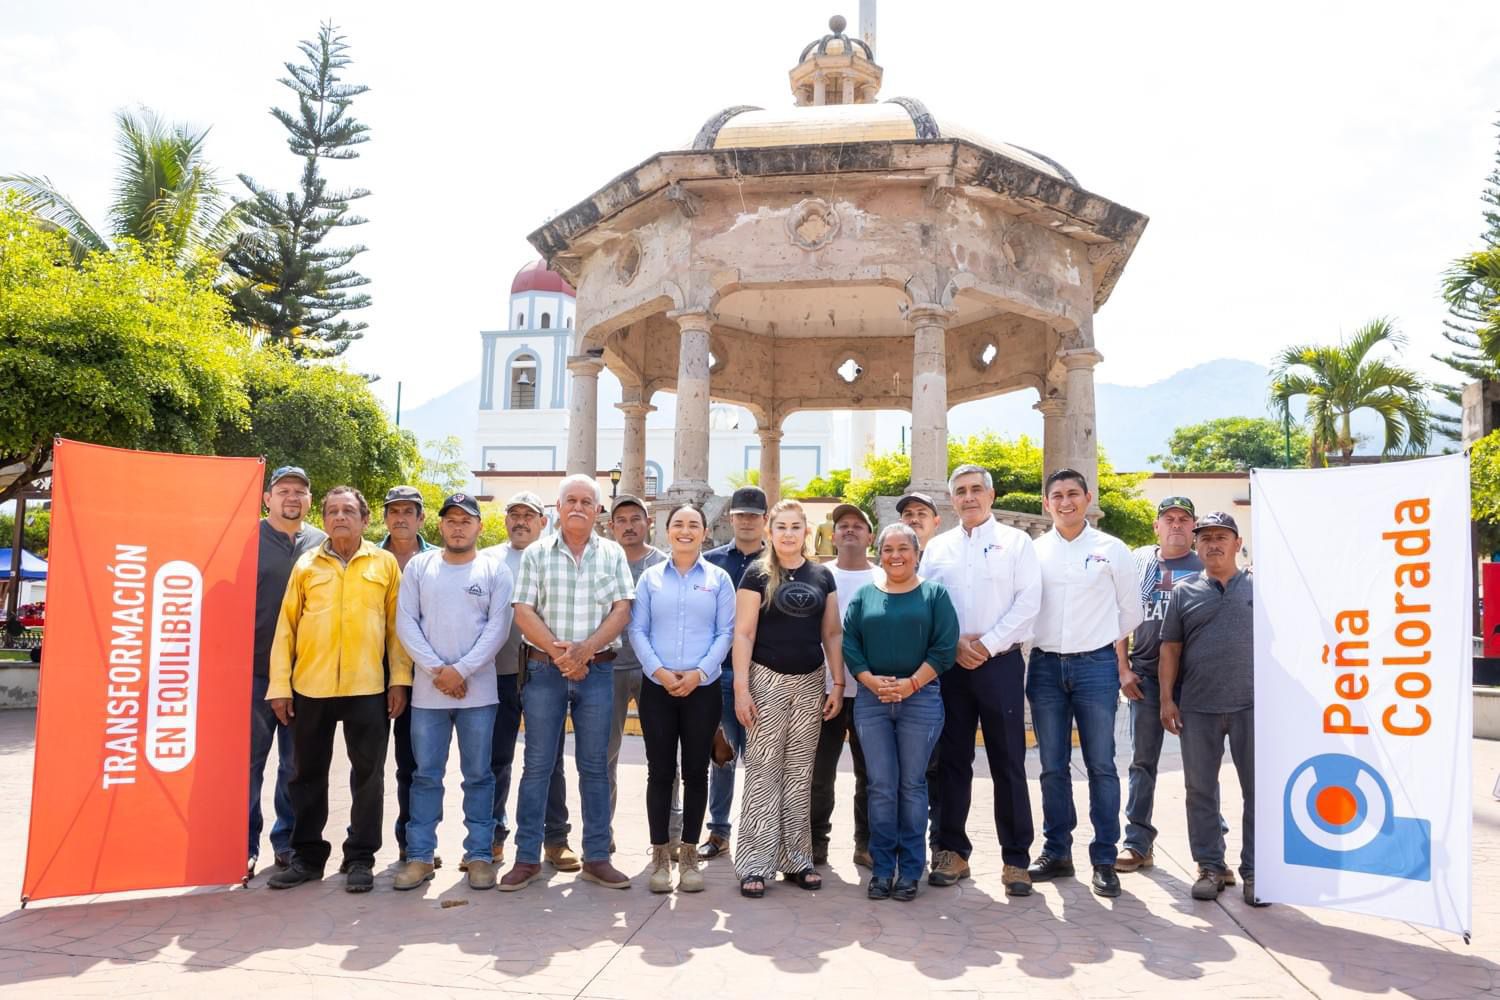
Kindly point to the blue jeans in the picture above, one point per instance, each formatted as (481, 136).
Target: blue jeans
(555, 827)
(431, 735)
(546, 700)
(264, 730)
(721, 779)
(1084, 687)
(897, 740)
(1146, 735)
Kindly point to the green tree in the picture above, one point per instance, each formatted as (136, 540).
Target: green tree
(1233, 444)
(832, 485)
(35, 533)
(1471, 288)
(1484, 489)
(1336, 380)
(790, 487)
(124, 349)
(1016, 467)
(293, 288)
(167, 198)
(324, 419)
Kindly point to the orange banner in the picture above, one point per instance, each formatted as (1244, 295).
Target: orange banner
(142, 766)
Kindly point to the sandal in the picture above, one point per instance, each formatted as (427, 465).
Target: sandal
(750, 893)
(808, 879)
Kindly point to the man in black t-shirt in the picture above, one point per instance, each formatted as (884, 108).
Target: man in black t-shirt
(1159, 567)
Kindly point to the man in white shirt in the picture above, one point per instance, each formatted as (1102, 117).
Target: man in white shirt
(992, 574)
(852, 569)
(1090, 601)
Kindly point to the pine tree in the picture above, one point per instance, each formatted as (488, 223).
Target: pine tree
(1473, 299)
(292, 288)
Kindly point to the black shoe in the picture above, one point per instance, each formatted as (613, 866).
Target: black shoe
(358, 877)
(294, 874)
(820, 854)
(1046, 868)
(1106, 882)
(880, 888)
(284, 861)
(904, 890)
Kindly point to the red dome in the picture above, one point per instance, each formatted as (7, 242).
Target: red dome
(535, 277)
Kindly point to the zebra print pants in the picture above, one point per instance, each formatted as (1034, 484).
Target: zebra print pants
(775, 825)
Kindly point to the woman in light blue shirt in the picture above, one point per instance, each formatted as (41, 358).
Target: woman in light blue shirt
(681, 628)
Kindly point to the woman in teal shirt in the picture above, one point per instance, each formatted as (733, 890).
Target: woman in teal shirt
(899, 634)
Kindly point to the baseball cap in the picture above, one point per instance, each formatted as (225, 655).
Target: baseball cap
(1181, 503)
(408, 494)
(626, 500)
(462, 501)
(1218, 519)
(911, 498)
(526, 498)
(849, 508)
(748, 500)
(289, 472)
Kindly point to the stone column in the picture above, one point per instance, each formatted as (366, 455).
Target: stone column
(1052, 408)
(929, 399)
(770, 462)
(583, 414)
(633, 452)
(1080, 448)
(690, 443)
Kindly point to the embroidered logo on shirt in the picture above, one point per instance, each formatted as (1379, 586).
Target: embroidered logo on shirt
(475, 589)
(1094, 557)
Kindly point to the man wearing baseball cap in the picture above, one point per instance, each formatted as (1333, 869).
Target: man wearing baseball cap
(403, 516)
(525, 520)
(852, 533)
(453, 614)
(284, 537)
(919, 511)
(1159, 567)
(747, 514)
(1207, 637)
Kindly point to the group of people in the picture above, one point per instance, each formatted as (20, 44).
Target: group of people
(751, 657)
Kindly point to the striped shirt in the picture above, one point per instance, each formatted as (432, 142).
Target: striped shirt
(574, 596)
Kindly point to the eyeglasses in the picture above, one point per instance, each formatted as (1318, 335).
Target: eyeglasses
(1170, 502)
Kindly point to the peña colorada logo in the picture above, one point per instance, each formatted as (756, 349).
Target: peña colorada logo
(1339, 815)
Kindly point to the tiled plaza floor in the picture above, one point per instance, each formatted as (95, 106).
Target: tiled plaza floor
(566, 938)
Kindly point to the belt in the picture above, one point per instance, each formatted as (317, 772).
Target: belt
(533, 653)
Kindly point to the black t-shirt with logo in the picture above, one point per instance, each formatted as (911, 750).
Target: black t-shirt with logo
(789, 635)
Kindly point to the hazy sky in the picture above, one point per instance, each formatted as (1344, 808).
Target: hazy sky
(1306, 166)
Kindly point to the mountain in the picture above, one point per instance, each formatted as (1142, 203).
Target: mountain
(1134, 422)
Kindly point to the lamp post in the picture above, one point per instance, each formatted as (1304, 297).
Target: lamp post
(614, 482)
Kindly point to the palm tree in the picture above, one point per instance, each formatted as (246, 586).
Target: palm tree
(1339, 379)
(1473, 282)
(166, 196)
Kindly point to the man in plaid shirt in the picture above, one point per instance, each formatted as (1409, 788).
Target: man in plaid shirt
(572, 602)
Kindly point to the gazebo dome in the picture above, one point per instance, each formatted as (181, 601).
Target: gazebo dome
(831, 124)
(834, 87)
(535, 277)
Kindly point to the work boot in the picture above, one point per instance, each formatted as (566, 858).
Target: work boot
(497, 852)
(1131, 860)
(862, 856)
(1015, 880)
(689, 878)
(714, 846)
(1210, 883)
(481, 874)
(820, 854)
(661, 868)
(1250, 896)
(519, 877)
(294, 874)
(947, 868)
(561, 857)
(605, 874)
(412, 874)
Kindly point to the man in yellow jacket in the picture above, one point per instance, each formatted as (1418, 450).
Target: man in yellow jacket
(338, 620)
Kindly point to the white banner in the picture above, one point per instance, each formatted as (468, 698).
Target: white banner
(1363, 689)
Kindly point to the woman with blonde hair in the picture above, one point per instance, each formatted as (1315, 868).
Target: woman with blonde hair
(786, 629)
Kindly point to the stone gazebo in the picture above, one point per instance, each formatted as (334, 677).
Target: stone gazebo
(837, 254)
